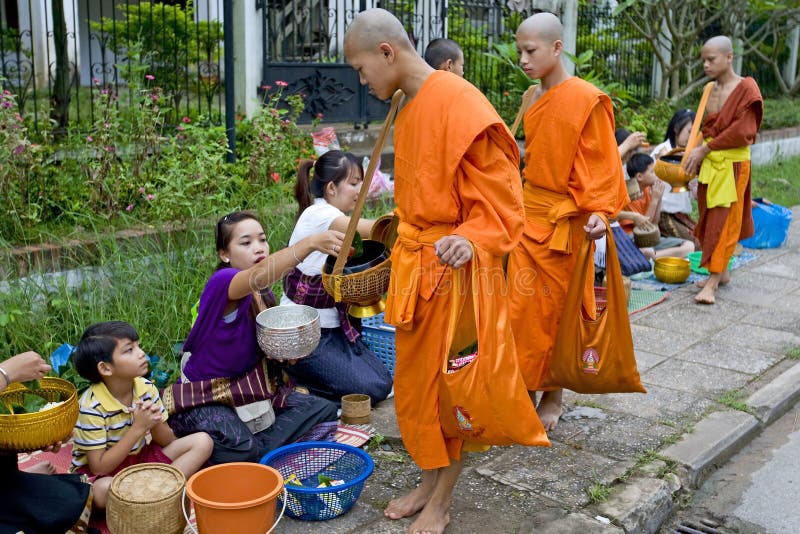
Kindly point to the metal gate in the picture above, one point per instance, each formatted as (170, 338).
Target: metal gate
(303, 42)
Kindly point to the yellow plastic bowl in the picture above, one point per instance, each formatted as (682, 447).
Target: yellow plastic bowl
(672, 270)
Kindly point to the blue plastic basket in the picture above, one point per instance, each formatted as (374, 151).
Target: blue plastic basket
(304, 462)
(379, 336)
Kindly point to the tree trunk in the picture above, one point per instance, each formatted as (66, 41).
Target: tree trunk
(59, 103)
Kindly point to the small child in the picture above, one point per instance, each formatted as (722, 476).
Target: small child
(648, 208)
(445, 54)
(119, 409)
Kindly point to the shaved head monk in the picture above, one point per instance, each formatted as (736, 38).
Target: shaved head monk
(572, 173)
(445, 54)
(459, 202)
(733, 117)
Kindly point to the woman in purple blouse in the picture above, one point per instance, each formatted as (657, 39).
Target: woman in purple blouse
(222, 342)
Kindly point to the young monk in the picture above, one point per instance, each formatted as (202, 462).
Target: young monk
(445, 54)
(456, 187)
(572, 173)
(733, 117)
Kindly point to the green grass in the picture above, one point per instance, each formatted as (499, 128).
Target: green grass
(734, 399)
(793, 353)
(597, 493)
(589, 404)
(778, 181)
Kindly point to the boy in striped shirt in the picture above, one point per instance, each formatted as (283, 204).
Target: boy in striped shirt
(120, 408)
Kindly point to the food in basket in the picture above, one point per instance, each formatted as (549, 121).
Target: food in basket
(31, 403)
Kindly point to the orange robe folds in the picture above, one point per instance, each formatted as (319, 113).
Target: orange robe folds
(734, 126)
(456, 172)
(572, 169)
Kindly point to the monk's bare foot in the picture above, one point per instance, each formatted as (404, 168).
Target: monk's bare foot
(433, 519)
(549, 409)
(412, 502)
(42, 468)
(725, 279)
(708, 295)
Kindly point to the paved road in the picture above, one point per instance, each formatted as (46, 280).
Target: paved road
(759, 489)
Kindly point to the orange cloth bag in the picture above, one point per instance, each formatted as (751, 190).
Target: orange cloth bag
(486, 401)
(594, 354)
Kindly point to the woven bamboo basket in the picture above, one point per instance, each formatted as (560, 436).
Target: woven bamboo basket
(356, 408)
(360, 285)
(34, 431)
(646, 234)
(146, 498)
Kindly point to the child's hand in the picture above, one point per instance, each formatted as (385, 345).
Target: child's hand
(658, 189)
(146, 415)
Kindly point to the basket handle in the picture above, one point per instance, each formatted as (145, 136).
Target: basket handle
(275, 524)
(698, 120)
(523, 107)
(352, 226)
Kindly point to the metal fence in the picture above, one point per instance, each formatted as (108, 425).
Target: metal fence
(56, 55)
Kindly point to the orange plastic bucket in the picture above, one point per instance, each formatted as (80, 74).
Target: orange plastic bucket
(239, 497)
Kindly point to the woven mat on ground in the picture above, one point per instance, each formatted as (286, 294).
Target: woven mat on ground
(650, 282)
(641, 299)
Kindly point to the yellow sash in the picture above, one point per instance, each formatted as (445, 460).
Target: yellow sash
(717, 172)
(550, 212)
(407, 271)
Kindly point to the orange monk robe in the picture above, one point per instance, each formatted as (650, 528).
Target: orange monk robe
(456, 171)
(734, 126)
(572, 169)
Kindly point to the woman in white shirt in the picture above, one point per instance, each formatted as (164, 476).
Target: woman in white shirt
(326, 190)
(676, 208)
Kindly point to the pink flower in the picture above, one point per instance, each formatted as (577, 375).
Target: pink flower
(154, 97)
(275, 177)
(141, 190)
(129, 208)
(19, 150)
(106, 125)
(180, 128)
(95, 81)
(266, 87)
(7, 104)
(109, 148)
(151, 196)
(281, 83)
(149, 77)
(319, 115)
(89, 138)
(186, 120)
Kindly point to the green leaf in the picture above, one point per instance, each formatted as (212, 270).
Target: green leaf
(324, 480)
(32, 385)
(4, 409)
(32, 403)
(358, 245)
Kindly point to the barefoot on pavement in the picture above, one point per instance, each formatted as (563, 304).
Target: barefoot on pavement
(433, 520)
(549, 409)
(410, 503)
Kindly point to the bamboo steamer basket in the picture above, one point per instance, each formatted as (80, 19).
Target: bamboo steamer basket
(646, 234)
(146, 498)
(34, 431)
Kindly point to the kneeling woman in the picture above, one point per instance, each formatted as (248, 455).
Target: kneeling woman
(222, 344)
(341, 364)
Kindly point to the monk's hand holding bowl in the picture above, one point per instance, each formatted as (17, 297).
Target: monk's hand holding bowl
(453, 250)
(695, 159)
(595, 227)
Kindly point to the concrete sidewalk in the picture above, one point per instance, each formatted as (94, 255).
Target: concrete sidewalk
(621, 463)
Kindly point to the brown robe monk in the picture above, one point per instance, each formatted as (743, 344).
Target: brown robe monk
(572, 169)
(456, 172)
(734, 126)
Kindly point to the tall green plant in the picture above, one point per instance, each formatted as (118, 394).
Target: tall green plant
(174, 41)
